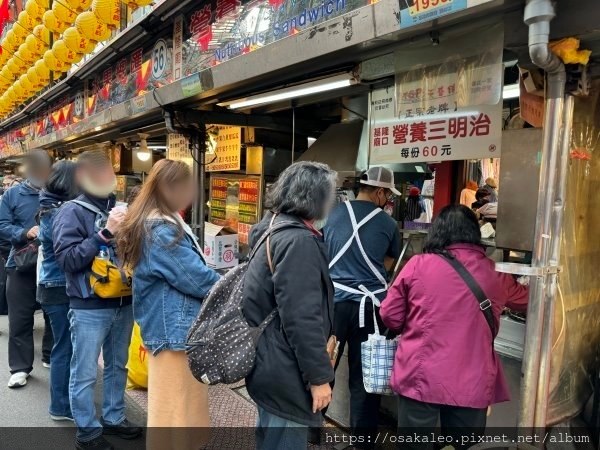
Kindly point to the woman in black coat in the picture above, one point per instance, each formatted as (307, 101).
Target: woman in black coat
(291, 376)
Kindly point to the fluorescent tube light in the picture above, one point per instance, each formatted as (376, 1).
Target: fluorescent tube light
(301, 90)
(510, 91)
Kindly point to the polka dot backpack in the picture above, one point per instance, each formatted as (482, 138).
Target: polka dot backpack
(221, 345)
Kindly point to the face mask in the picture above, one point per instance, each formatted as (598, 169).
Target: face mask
(320, 224)
(98, 191)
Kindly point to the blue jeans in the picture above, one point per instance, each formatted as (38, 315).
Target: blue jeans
(276, 433)
(94, 330)
(60, 359)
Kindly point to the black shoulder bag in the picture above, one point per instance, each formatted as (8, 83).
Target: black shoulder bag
(484, 303)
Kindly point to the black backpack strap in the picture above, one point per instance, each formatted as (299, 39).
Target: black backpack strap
(484, 303)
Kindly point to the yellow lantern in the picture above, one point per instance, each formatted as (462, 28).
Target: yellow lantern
(42, 70)
(108, 12)
(14, 68)
(44, 4)
(63, 13)
(27, 85)
(84, 5)
(52, 23)
(26, 54)
(11, 38)
(34, 10)
(10, 96)
(35, 45)
(6, 74)
(34, 78)
(91, 28)
(26, 21)
(54, 63)
(18, 90)
(42, 33)
(20, 32)
(76, 42)
(79, 5)
(64, 54)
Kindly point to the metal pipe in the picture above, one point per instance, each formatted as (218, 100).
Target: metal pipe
(547, 341)
(201, 149)
(538, 14)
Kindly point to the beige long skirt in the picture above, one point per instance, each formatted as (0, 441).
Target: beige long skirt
(178, 415)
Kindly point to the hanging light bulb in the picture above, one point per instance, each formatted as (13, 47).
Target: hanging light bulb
(143, 152)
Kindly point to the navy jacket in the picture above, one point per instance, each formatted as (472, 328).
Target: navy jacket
(76, 244)
(18, 209)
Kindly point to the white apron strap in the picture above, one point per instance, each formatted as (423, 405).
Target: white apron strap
(362, 290)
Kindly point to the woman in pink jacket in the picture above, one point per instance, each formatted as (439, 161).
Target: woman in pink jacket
(445, 367)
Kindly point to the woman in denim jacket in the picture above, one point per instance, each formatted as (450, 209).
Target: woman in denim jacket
(51, 290)
(170, 280)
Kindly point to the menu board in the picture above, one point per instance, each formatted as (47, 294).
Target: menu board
(228, 151)
(235, 203)
(178, 148)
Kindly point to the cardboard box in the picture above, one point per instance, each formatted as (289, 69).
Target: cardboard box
(221, 246)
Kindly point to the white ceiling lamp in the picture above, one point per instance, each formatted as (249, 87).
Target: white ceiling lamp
(301, 90)
(143, 152)
(510, 91)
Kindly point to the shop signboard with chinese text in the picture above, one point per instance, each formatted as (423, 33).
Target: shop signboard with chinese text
(228, 152)
(415, 12)
(235, 203)
(135, 74)
(437, 132)
(443, 111)
(224, 29)
(178, 148)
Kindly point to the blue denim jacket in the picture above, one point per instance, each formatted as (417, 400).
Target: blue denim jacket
(169, 284)
(50, 274)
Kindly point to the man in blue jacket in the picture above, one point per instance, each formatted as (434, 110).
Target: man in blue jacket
(18, 209)
(97, 324)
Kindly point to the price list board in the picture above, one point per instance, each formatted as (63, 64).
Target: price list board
(235, 202)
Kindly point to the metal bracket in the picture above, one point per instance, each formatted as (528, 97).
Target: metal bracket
(525, 270)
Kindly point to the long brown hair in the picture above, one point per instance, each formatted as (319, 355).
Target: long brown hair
(149, 201)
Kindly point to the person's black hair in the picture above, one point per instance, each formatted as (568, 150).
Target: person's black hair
(456, 224)
(61, 181)
(481, 193)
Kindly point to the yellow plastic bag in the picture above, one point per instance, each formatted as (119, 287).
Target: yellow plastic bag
(137, 377)
(109, 281)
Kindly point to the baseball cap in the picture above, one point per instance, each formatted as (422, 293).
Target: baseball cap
(380, 177)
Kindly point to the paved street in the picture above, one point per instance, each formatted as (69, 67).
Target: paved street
(233, 415)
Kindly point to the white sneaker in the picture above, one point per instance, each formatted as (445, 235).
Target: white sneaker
(46, 365)
(18, 379)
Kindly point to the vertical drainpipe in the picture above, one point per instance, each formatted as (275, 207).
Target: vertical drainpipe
(540, 315)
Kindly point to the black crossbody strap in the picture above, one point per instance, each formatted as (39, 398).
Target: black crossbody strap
(484, 303)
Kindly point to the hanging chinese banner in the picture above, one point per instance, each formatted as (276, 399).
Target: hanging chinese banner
(439, 112)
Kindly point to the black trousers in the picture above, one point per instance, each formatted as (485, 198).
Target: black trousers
(415, 417)
(22, 304)
(364, 407)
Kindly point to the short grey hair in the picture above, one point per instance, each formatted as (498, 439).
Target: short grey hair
(305, 189)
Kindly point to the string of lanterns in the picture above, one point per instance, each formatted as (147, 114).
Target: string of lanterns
(46, 39)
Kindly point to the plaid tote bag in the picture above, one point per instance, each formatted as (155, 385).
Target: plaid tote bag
(377, 354)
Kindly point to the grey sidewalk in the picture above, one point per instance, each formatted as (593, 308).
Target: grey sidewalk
(233, 414)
